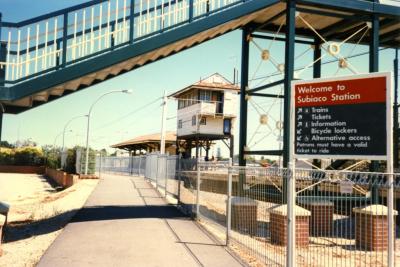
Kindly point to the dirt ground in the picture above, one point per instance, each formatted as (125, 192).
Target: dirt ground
(39, 211)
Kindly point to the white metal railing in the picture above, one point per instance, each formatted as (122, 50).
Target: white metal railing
(55, 40)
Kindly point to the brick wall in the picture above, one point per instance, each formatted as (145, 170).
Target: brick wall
(62, 178)
(22, 169)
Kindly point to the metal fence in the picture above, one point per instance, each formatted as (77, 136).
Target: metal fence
(341, 218)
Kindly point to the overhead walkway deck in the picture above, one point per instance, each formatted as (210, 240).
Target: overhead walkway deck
(125, 222)
(50, 56)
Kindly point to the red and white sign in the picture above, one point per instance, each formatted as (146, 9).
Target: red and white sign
(342, 117)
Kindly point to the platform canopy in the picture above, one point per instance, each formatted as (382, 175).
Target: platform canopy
(149, 143)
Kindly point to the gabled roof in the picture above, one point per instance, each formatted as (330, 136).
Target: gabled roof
(170, 136)
(213, 82)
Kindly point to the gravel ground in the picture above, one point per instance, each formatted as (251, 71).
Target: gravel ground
(38, 213)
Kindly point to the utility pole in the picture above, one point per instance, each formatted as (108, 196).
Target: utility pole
(164, 117)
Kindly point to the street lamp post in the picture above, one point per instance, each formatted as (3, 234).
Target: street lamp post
(88, 123)
(65, 128)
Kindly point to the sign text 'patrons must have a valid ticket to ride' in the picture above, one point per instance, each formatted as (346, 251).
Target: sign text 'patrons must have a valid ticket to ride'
(344, 117)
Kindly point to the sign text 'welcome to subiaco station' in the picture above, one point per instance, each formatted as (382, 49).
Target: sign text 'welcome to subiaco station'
(345, 116)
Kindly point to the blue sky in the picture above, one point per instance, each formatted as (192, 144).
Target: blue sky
(221, 55)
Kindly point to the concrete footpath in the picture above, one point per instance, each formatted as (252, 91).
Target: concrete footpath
(125, 222)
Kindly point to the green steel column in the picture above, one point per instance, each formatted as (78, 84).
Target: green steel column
(289, 73)
(244, 81)
(289, 183)
(374, 67)
(396, 112)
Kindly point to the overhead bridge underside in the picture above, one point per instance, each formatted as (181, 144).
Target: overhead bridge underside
(91, 43)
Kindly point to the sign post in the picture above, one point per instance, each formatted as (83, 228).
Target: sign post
(345, 118)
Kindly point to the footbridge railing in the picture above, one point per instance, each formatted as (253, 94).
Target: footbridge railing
(47, 43)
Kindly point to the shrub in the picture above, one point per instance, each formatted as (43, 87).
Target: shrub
(71, 160)
(53, 160)
(30, 156)
(6, 156)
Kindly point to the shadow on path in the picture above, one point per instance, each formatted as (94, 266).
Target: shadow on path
(102, 213)
(27, 229)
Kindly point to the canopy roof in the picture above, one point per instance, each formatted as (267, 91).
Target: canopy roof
(147, 141)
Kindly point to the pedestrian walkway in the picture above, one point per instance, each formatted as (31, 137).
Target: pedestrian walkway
(125, 222)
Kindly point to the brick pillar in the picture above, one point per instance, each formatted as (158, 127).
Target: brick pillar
(2, 223)
(321, 221)
(278, 225)
(371, 227)
(244, 215)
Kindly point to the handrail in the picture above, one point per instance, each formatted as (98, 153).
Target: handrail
(102, 26)
(52, 14)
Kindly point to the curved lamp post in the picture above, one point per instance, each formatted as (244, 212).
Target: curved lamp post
(56, 138)
(88, 123)
(65, 128)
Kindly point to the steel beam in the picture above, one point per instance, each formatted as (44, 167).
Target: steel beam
(265, 152)
(267, 95)
(244, 82)
(289, 187)
(289, 74)
(262, 87)
(374, 67)
(243, 91)
(330, 13)
(396, 112)
(277, 38)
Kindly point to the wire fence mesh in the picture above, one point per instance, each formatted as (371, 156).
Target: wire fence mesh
(341, 217)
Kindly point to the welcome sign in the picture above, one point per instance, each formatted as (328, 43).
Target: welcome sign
(344, 117)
